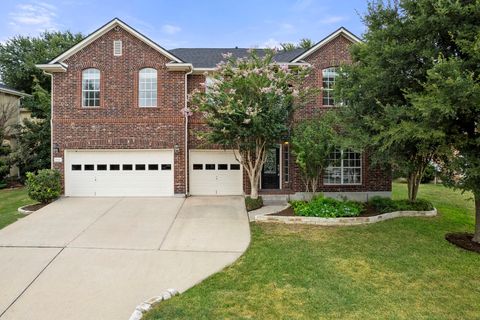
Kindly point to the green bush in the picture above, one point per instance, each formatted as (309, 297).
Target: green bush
(253, 204)
(326, 208)
(44, 186)
(429, 174)
(384, 205)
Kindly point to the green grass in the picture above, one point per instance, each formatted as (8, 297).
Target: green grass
(10, 201)
(397, 269)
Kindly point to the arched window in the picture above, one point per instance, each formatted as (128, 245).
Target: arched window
(147, 88)
(329, 75)
(91, 88)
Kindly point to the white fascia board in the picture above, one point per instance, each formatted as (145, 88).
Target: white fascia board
(203, 70)
(57, 67)
(173, 66)
(109, 26)
(340, 31)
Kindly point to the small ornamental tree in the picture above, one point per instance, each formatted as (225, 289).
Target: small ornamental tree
(312, 143)
(248, 106)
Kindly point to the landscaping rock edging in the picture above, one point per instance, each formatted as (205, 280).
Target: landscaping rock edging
(24, 211)
(145, 306)
(350, 221)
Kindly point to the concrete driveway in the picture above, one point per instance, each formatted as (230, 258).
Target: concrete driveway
(97, 258)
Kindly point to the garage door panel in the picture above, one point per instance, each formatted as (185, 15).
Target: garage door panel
(215, 172)
(119, 173)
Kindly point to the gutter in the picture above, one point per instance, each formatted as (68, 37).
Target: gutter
(51, 116)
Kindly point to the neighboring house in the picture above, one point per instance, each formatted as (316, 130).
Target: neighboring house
(119, 130)
(11, 114)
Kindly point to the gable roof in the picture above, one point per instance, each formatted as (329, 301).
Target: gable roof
(340, 31)
(6, 89)
(210, 57)
(104, 29)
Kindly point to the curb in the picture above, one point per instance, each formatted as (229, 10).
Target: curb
(353, 221)
(25, 211)
(143, 307)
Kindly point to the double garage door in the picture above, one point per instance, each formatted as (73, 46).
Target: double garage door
(119, 173)
(111, 173)
(214, 172)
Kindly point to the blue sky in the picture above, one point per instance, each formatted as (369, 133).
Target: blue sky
(201, 23)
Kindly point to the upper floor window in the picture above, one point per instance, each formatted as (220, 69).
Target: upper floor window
(147, 88)
(345, 167)
(329, 76)
(91, 88)
(208, 83)
(117, 47)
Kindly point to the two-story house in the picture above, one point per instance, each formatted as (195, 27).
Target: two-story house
(118, 128)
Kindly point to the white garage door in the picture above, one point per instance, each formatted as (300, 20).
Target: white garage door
(118, 173)
(215, 172)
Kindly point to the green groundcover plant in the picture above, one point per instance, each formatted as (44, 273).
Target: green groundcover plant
(333, 208)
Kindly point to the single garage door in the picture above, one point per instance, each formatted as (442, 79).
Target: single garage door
(105, 173)
(215, 172)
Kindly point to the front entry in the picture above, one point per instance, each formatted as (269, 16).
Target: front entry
(271, 169)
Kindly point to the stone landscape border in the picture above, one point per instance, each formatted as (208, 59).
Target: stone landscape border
(350, 221)
(24, 211)
(145, 306)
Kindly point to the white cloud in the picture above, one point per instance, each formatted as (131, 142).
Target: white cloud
(332, 20)
(170, 29)
(37, 15)
(271, 43)
(301, 5)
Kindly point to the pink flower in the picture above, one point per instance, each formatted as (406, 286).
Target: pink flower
(227, 55)
(186, 112)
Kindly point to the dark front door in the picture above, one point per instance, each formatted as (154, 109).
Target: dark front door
(271, 169)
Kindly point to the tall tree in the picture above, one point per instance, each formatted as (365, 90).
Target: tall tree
(19, 55)
(248, 107)
(400, 41)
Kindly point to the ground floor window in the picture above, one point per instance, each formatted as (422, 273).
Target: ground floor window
(345, 168)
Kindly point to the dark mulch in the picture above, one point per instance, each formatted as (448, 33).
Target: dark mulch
(464, 241)
(35, 207)
(368, 212)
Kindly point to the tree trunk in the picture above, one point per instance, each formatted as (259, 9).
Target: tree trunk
(476, 235)
(413, 182)
(253, 190)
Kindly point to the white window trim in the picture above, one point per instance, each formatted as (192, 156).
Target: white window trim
(155, 89)
(341, 173)
(329, 91)
(86, 90)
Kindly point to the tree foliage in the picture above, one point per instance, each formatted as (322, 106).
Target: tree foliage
(312, 143)
(401, 40)
(248, 107)
(304, 43)
(19, 55)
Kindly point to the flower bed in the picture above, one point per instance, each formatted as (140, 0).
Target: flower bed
(332, 208)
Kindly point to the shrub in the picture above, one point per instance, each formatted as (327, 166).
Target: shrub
(44, 186)
(253, 204)
(384, 205)
(326, 208)
(429, 174)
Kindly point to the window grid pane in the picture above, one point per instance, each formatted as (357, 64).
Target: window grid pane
(147, 88)
(345, 168)
(329, 76)
(91, 88)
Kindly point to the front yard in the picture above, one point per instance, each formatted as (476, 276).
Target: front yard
(398, 269)
(10, 201)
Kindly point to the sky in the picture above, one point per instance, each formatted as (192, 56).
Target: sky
(189, 23)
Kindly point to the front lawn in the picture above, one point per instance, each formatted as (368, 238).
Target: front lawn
(10, 201)
(397, 269)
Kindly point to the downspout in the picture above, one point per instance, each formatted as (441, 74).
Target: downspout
(186, 153)
(51, 118)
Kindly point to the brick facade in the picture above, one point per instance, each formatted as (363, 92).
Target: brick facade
(119, 123)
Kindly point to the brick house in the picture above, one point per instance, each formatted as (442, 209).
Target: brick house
(118, 127)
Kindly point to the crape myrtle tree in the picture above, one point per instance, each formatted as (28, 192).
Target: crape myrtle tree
(401, 40)
(248, 106)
